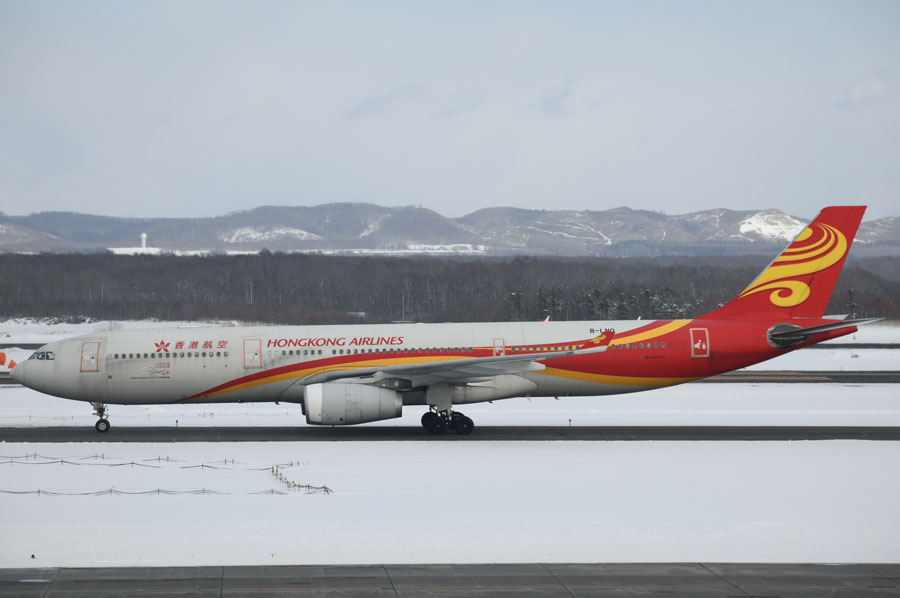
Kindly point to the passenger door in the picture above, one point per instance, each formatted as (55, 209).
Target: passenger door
(252, 353)
(699, 342)
(90, 356)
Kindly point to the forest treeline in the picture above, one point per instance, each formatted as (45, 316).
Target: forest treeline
(319, 289)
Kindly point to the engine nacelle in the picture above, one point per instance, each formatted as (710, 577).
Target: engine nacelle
(341, 404)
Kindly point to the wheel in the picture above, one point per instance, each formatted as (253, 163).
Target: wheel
(464, 426)
(428, 420)
(439, 426)
(454, 419)
(102, 425)
(434, 423)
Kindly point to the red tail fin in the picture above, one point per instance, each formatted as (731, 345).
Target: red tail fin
(799, 282)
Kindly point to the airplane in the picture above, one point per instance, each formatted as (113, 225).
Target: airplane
(353, 374)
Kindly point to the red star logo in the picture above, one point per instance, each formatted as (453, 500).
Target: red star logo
(162, 347)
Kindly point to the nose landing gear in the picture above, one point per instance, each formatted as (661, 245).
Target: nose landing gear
(102, 424)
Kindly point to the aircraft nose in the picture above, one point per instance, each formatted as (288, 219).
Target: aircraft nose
(18, 373)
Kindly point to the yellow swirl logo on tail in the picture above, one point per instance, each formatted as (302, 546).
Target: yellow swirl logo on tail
(818, 247)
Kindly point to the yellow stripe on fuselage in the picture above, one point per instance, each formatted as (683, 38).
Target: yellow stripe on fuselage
(615, 380)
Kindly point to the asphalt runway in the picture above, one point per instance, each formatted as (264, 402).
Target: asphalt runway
(417, 434)
(694, 580)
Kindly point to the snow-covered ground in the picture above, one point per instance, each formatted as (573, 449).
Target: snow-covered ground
(470, 502)
(473, 501)
(29, 330)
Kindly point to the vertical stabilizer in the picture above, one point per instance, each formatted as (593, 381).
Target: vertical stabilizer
(799, 282)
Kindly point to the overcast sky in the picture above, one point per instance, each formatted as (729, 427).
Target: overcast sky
(203, 108)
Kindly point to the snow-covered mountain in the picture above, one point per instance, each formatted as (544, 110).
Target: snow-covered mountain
(368, 228)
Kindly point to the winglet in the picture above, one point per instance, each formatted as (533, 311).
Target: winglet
(799, 282)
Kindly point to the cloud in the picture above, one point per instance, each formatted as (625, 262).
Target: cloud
(458, 103)
(369, 106)
(555, 101)
(373, 105)
(865, 92)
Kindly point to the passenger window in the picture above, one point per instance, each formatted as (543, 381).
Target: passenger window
(663, 344)
(225, 353)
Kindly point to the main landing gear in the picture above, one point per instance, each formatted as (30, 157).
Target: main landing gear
(102, 424)
(440, 422)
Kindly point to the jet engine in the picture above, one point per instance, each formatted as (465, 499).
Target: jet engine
(340, 404)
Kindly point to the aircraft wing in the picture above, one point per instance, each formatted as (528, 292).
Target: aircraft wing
(469, 368)
(484, 366)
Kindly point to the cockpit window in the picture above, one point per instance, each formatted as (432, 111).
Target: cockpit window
(43, 355)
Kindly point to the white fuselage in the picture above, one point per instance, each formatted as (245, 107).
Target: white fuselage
(188, 364)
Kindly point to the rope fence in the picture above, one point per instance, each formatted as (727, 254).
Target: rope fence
(158, 463)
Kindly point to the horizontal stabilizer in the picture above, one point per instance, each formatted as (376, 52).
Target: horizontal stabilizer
(788, 335)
